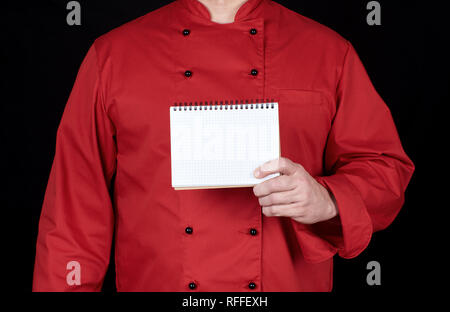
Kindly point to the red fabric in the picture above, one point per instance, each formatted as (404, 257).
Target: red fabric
(116, 123)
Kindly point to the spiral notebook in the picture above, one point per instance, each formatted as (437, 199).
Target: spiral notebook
(219, 145)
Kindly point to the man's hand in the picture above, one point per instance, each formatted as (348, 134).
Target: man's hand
(293, 194)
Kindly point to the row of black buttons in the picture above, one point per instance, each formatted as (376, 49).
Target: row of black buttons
(186, 32)
(190, 230)
(193, 286)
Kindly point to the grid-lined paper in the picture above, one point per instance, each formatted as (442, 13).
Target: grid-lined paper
(214, 147)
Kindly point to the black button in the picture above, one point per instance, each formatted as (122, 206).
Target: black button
(186, 32)
(192, 285)
(188, 73)
(253, 31)
(252, 285)
(253, 232)
(254, 72)
(188, 230)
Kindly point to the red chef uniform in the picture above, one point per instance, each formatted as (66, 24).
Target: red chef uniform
(111, 171)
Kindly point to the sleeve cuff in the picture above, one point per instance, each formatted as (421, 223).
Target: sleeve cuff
(347, 234)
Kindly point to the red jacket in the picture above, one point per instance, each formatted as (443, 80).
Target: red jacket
(111, 171)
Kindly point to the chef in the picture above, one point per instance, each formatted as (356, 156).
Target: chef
(343, 169)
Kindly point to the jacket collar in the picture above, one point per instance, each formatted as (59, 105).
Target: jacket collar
(247, 11)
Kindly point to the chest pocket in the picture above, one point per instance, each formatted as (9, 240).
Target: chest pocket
(305, 122)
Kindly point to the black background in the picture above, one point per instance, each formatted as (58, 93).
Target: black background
(43, 55)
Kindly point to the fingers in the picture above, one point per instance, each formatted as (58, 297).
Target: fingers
(279, 198)
(289, 210)
(282, 165)
(278, 184)
(282, 196)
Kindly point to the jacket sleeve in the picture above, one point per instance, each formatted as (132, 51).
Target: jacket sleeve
(366, 169)
(77, 219)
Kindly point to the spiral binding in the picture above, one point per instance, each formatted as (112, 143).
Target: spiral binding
(231, 104)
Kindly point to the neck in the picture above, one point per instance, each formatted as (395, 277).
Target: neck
(222, 11)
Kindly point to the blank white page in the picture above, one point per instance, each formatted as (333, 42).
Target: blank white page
(221, 145)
